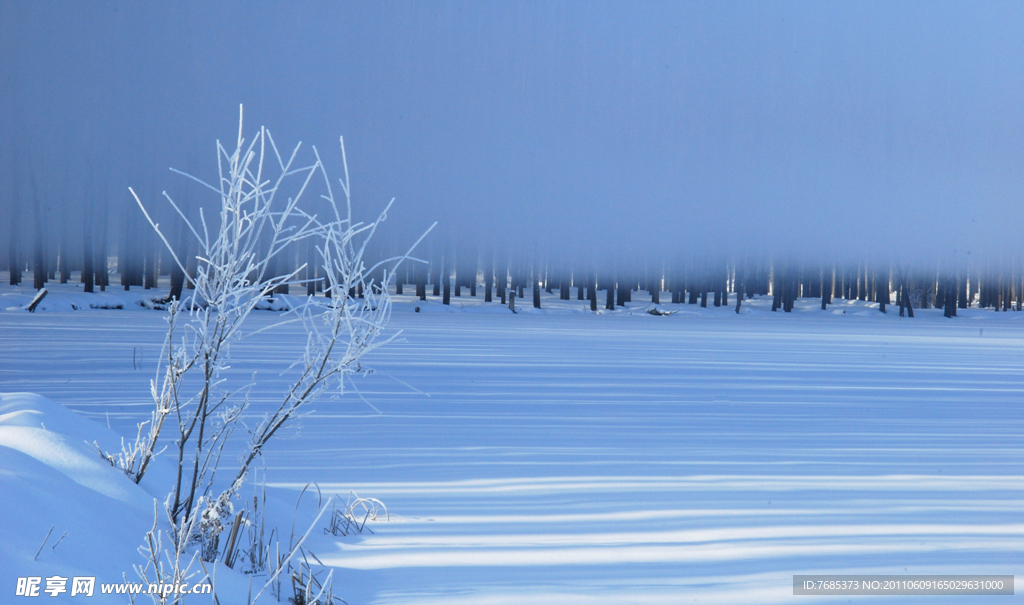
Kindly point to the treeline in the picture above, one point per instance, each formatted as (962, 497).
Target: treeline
(727, 284)
(138, 259)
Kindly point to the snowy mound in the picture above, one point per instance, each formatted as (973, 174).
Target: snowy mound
(51, 477)
(61, 500)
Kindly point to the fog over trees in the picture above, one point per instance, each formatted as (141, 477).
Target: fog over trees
(702, 152)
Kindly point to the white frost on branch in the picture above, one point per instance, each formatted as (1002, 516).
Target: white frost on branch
(236, 268)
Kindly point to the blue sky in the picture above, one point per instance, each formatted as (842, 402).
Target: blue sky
(597, 130)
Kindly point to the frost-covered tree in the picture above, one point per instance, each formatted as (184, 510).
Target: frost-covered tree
(263, 212)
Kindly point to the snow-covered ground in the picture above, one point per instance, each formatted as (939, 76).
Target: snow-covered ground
(558, 456)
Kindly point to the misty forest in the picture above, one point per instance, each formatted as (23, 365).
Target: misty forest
(544, 302)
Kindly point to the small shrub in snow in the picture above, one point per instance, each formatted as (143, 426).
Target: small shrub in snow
(353, 518)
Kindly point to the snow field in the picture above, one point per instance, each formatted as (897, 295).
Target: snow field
(557, 456)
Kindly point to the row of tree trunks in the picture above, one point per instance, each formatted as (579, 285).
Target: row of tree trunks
(140, 261)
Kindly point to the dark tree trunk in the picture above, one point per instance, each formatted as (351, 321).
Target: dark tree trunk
(610, 299)
(488, 286)
(14, 261)
(536, 293)
(444, 279)
(882, 288)
(178, 276)
(64, 269)
(134, 258)
(192, 266)
(88, 273)
(950, 300)
(789, 293)
(437, 284)
(39, 264)
(100, 266)
(122, 265)
(178, 282)
(952, 294)
(39, 246)
(777, 294)
(740, 287)
(824, 294)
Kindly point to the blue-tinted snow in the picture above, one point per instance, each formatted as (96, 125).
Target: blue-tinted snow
(561, 456)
